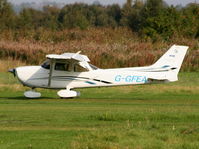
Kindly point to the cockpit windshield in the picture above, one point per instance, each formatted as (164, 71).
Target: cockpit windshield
(46, 64)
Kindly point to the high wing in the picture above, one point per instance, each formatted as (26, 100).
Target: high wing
(72, 58)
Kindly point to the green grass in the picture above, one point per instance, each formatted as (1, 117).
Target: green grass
(133, 117)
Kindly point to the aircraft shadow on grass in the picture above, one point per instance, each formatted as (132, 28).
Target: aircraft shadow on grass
(79, 99)
(24, 98)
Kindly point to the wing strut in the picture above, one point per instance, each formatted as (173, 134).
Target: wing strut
(52, 65)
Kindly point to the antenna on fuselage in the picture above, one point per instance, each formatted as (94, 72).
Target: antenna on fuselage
(76, 54)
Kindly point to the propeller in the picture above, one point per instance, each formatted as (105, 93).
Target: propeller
(13, 71)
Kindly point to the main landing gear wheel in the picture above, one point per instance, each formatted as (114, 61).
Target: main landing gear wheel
(68, 94)
(32, 94)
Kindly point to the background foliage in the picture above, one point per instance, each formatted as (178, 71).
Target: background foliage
(152, 18)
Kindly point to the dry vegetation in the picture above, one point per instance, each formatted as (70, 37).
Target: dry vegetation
(105, 47)
(10, 63)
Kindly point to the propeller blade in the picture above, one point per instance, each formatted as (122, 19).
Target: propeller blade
(13, 71)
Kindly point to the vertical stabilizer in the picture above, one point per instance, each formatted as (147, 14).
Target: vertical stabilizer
(173, 59)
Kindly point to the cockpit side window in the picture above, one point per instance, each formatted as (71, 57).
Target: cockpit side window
(67, 66)
(46, 64)
(62, 66)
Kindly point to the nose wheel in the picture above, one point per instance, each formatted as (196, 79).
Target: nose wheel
(32, 94)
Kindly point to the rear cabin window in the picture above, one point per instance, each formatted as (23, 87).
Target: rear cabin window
(78, 68)
(93, 67)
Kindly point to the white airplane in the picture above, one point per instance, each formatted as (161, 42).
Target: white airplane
(72, 70)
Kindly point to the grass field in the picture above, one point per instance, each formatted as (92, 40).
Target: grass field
(133, 117)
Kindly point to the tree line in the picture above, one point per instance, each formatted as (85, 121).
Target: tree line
(152, 19)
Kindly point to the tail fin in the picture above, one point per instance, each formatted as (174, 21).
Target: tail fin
(172, 59)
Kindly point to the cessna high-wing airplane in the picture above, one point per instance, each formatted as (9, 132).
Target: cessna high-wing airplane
(73, 70)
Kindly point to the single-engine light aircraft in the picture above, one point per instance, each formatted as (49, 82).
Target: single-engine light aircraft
(72, 70)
